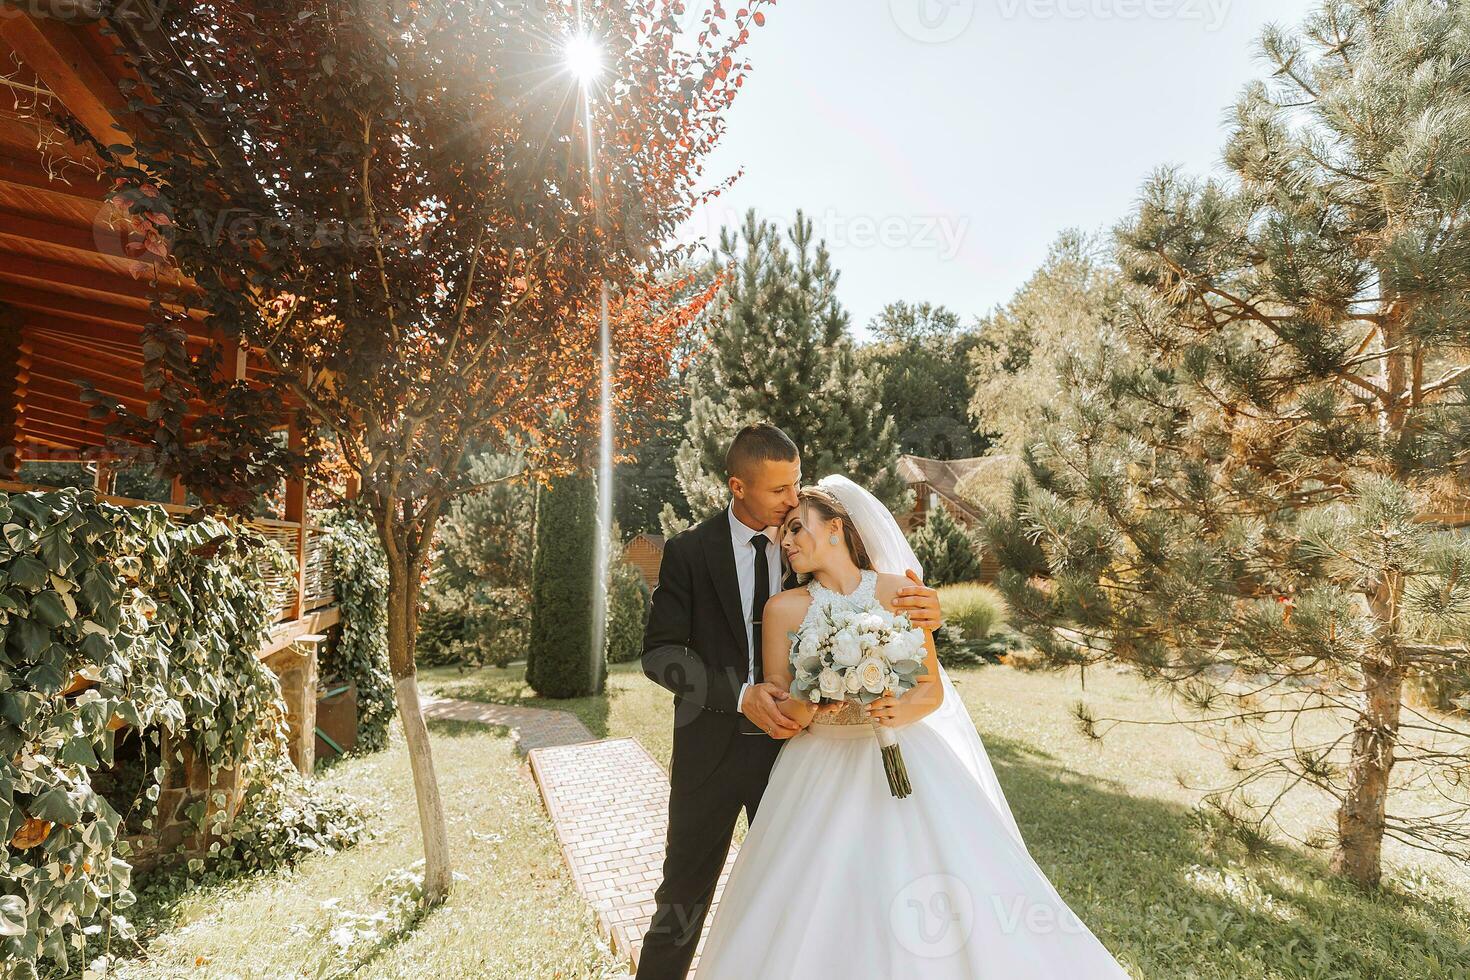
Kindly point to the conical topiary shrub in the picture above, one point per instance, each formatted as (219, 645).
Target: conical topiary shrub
(560, 661)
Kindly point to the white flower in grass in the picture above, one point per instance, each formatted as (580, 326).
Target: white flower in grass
(872, 675)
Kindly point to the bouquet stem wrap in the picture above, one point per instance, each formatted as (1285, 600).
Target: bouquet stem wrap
(893, 767)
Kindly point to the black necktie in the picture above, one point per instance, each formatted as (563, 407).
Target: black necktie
(762, 592)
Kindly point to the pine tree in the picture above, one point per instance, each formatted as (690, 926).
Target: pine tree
(647, 481)
(560, 660)
(1013, 366)
(945, 549)
(920, 356)
(1237, 492)
(779, 351)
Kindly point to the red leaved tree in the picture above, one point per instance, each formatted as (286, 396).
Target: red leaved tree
(409, 211)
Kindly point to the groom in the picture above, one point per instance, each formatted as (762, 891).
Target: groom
(703, 642)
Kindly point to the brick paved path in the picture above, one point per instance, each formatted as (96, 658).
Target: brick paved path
(531, 728)
(608, 801)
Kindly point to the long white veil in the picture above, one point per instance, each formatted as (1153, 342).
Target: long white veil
(891, 555)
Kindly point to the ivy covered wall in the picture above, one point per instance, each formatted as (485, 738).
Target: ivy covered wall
(114, 617)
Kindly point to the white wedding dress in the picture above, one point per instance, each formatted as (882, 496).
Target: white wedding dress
(839, 879)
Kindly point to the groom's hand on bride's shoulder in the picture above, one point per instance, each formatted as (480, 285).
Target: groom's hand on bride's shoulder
(760, 706)
(920, 603)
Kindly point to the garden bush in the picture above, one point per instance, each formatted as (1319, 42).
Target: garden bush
(477, 602)
(946, 550)
(627, 613)
(974, 608)
(974, 628)
(476, 627)
(114, 617)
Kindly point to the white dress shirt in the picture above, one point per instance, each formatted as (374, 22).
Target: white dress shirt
(740, 536)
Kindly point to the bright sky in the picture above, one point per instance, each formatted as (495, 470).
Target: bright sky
(941, 145)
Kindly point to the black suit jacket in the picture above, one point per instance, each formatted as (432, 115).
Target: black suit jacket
(694, 645)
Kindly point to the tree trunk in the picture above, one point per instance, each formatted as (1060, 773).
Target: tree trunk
(403, 588)
(1360, 822)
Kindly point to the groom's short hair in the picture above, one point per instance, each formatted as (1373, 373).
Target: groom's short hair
(758, 443)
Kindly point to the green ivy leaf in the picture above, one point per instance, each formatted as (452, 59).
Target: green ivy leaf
(34, 507)
(29, 638)
(47, 677)
(48, 608)
(12, 915)
(19, 707)
(97, 647)
(56, 805)
(28, 573)
(57, 551)
(98, 589)
(20, 539)
(78, 752)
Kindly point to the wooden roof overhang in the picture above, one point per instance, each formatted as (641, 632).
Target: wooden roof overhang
(73, 305)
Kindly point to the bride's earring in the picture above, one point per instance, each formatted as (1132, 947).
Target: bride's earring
(832, 539)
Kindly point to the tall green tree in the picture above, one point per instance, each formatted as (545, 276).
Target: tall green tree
(560, 660)
(779, 351)
(1238, 492)
(1013, 364)
(647, 480)
(920, 354)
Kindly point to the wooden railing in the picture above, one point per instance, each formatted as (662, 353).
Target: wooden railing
(317, 577)
(313, 587)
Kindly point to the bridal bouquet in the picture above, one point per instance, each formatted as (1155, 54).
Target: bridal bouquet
(858, 655)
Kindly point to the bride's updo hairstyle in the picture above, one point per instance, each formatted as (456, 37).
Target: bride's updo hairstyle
(826, 504)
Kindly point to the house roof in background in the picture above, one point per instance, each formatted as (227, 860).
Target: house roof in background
(944, 476)
(657, 540)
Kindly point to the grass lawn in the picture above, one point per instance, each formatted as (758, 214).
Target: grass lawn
(513, 913)
(1116, 832)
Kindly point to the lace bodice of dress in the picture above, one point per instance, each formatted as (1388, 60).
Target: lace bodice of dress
(823, 599)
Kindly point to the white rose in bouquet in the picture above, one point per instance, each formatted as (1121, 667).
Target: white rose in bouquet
(810, 645)
(872, 675)
(847, 650)
(853, 681)
(829, 684)
(900, 648)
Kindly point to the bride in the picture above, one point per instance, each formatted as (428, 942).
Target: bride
(838, 878)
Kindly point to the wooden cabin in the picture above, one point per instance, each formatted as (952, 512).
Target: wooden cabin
(645, 552)
(73, 308)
